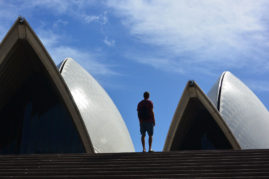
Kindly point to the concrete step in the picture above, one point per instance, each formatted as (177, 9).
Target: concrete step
(180, 164)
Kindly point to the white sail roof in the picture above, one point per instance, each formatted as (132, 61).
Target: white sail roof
(93, 115)
(101, 117)
(242, 111)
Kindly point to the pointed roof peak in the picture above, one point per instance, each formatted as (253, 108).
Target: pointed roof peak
(21, 20)
(194, 103)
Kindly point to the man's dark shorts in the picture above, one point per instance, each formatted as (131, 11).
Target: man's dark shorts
(146, 127)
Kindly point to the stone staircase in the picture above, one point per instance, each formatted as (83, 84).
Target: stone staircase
(180, 164)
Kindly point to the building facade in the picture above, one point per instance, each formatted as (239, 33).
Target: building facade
(44, 109)
(230, 117)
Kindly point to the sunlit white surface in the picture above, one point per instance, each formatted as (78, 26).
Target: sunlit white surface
(213, 94)
(103, 121)
(242, 111)
(81, 99)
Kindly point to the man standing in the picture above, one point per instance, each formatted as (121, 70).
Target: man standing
(146, 119)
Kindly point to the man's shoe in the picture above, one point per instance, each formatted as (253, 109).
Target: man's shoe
(151, 150)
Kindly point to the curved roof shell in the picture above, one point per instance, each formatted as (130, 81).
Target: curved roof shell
(105, 126)
(22, 54)
(193, 106)
(244, 114)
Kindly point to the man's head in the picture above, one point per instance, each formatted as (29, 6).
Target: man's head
(146, 95)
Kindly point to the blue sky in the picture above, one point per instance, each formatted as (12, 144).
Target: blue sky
(131, 46)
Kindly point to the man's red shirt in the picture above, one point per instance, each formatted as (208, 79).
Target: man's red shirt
(149, 105)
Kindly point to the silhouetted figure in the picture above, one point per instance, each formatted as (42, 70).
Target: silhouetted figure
(146, 119)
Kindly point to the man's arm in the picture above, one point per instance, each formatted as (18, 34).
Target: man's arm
(139, 117)
(153, 115)
(138, 113)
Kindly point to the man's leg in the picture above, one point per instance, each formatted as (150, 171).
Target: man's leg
(150, 133)
(143, 142)
(150, 143)
(143, 135)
